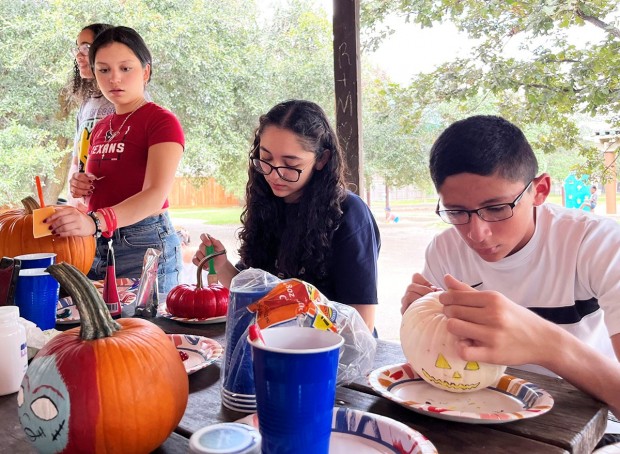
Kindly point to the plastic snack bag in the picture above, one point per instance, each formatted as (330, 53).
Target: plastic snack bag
(278, 302)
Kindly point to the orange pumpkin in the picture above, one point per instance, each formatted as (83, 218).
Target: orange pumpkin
(105, 387)
(16, 239)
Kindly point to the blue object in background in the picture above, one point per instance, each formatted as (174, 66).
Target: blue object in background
(575, 190)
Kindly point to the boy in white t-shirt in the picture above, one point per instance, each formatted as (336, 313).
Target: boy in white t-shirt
(549, 292)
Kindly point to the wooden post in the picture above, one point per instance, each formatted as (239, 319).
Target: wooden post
(347, 79)
(609, 142)
(610, 184)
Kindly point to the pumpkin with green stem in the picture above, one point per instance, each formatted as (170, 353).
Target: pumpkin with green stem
(107, 386)
(199, 301)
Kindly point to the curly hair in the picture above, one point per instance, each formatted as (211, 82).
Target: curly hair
(292, 240)
(78, 89)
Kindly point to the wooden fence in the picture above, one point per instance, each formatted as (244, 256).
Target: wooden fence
(200, 193)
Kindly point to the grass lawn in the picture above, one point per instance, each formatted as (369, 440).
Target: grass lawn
(214, 216)
(418, 210)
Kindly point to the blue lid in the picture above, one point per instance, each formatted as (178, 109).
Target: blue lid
(226, 438)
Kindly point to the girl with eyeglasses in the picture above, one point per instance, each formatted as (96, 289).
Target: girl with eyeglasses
(82, 91)
(300, 221)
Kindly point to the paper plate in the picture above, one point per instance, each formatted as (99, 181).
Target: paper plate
(66, 312)
(163, 311)
(201, 351)
(127, 288)
(509, 399)
(367, 433)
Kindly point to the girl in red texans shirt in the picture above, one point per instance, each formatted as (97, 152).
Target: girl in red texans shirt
(132, 160)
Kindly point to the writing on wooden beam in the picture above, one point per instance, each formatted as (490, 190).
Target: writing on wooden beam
(347, 87)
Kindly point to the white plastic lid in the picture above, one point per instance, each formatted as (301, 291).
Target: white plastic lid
(30, 272)
(226, 438)
(8, 313)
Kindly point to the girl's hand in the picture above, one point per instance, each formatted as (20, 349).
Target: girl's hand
(69, 221)
(208, 240)
(82, 184)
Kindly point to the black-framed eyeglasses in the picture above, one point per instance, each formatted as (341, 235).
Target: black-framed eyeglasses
(491, 213)
(81, 49)
(289, 174)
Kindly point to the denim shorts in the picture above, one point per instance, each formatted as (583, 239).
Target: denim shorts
(130, 245)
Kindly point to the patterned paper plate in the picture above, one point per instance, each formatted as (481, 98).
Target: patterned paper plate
(509, 399)
(67, 312)
(361, 432)
(162, 310)
(201, 351)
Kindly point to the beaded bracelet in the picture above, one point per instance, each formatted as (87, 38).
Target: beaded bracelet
(97, 222)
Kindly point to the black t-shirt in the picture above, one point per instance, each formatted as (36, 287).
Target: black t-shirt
(352, 269)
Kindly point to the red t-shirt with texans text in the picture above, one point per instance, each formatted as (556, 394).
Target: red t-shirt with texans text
(121, 163)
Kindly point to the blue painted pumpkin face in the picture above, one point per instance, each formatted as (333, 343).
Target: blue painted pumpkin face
(43, 406)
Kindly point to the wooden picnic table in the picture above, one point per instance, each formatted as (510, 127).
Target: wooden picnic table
(575, 423)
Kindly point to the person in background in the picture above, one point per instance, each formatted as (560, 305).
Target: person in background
(83, 92)
(543, 297)
(299, 220)
(592, 201)
(132, 160)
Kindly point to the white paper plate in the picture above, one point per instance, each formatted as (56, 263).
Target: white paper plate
(359, 432)
(508, 399)
(162, 310)
(201, 351)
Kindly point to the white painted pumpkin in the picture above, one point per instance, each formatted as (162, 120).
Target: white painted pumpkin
(431, 350)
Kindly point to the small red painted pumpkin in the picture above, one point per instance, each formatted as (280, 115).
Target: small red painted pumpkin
(104, 387)
(432, 351)
(198, 301)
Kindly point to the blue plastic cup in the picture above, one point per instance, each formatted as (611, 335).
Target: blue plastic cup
(295, 377)
(38, 260)
(36, 295)
(237, 378)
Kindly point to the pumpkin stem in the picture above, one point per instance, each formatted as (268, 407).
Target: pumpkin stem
(95, 319)
(202, 264)
(30, 204)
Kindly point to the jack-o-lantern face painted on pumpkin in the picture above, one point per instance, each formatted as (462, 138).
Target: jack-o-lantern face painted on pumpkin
(431, 350)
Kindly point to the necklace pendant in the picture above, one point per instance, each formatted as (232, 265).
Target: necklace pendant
(109, 136)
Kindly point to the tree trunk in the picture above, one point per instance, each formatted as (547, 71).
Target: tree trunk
(54, 186)
(387, 196)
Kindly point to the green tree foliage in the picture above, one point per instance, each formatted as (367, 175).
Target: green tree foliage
(392, 150)
(217, 64)
(551, 81)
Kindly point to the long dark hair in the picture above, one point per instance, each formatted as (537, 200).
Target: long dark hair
(80, 89)
(295, 240)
